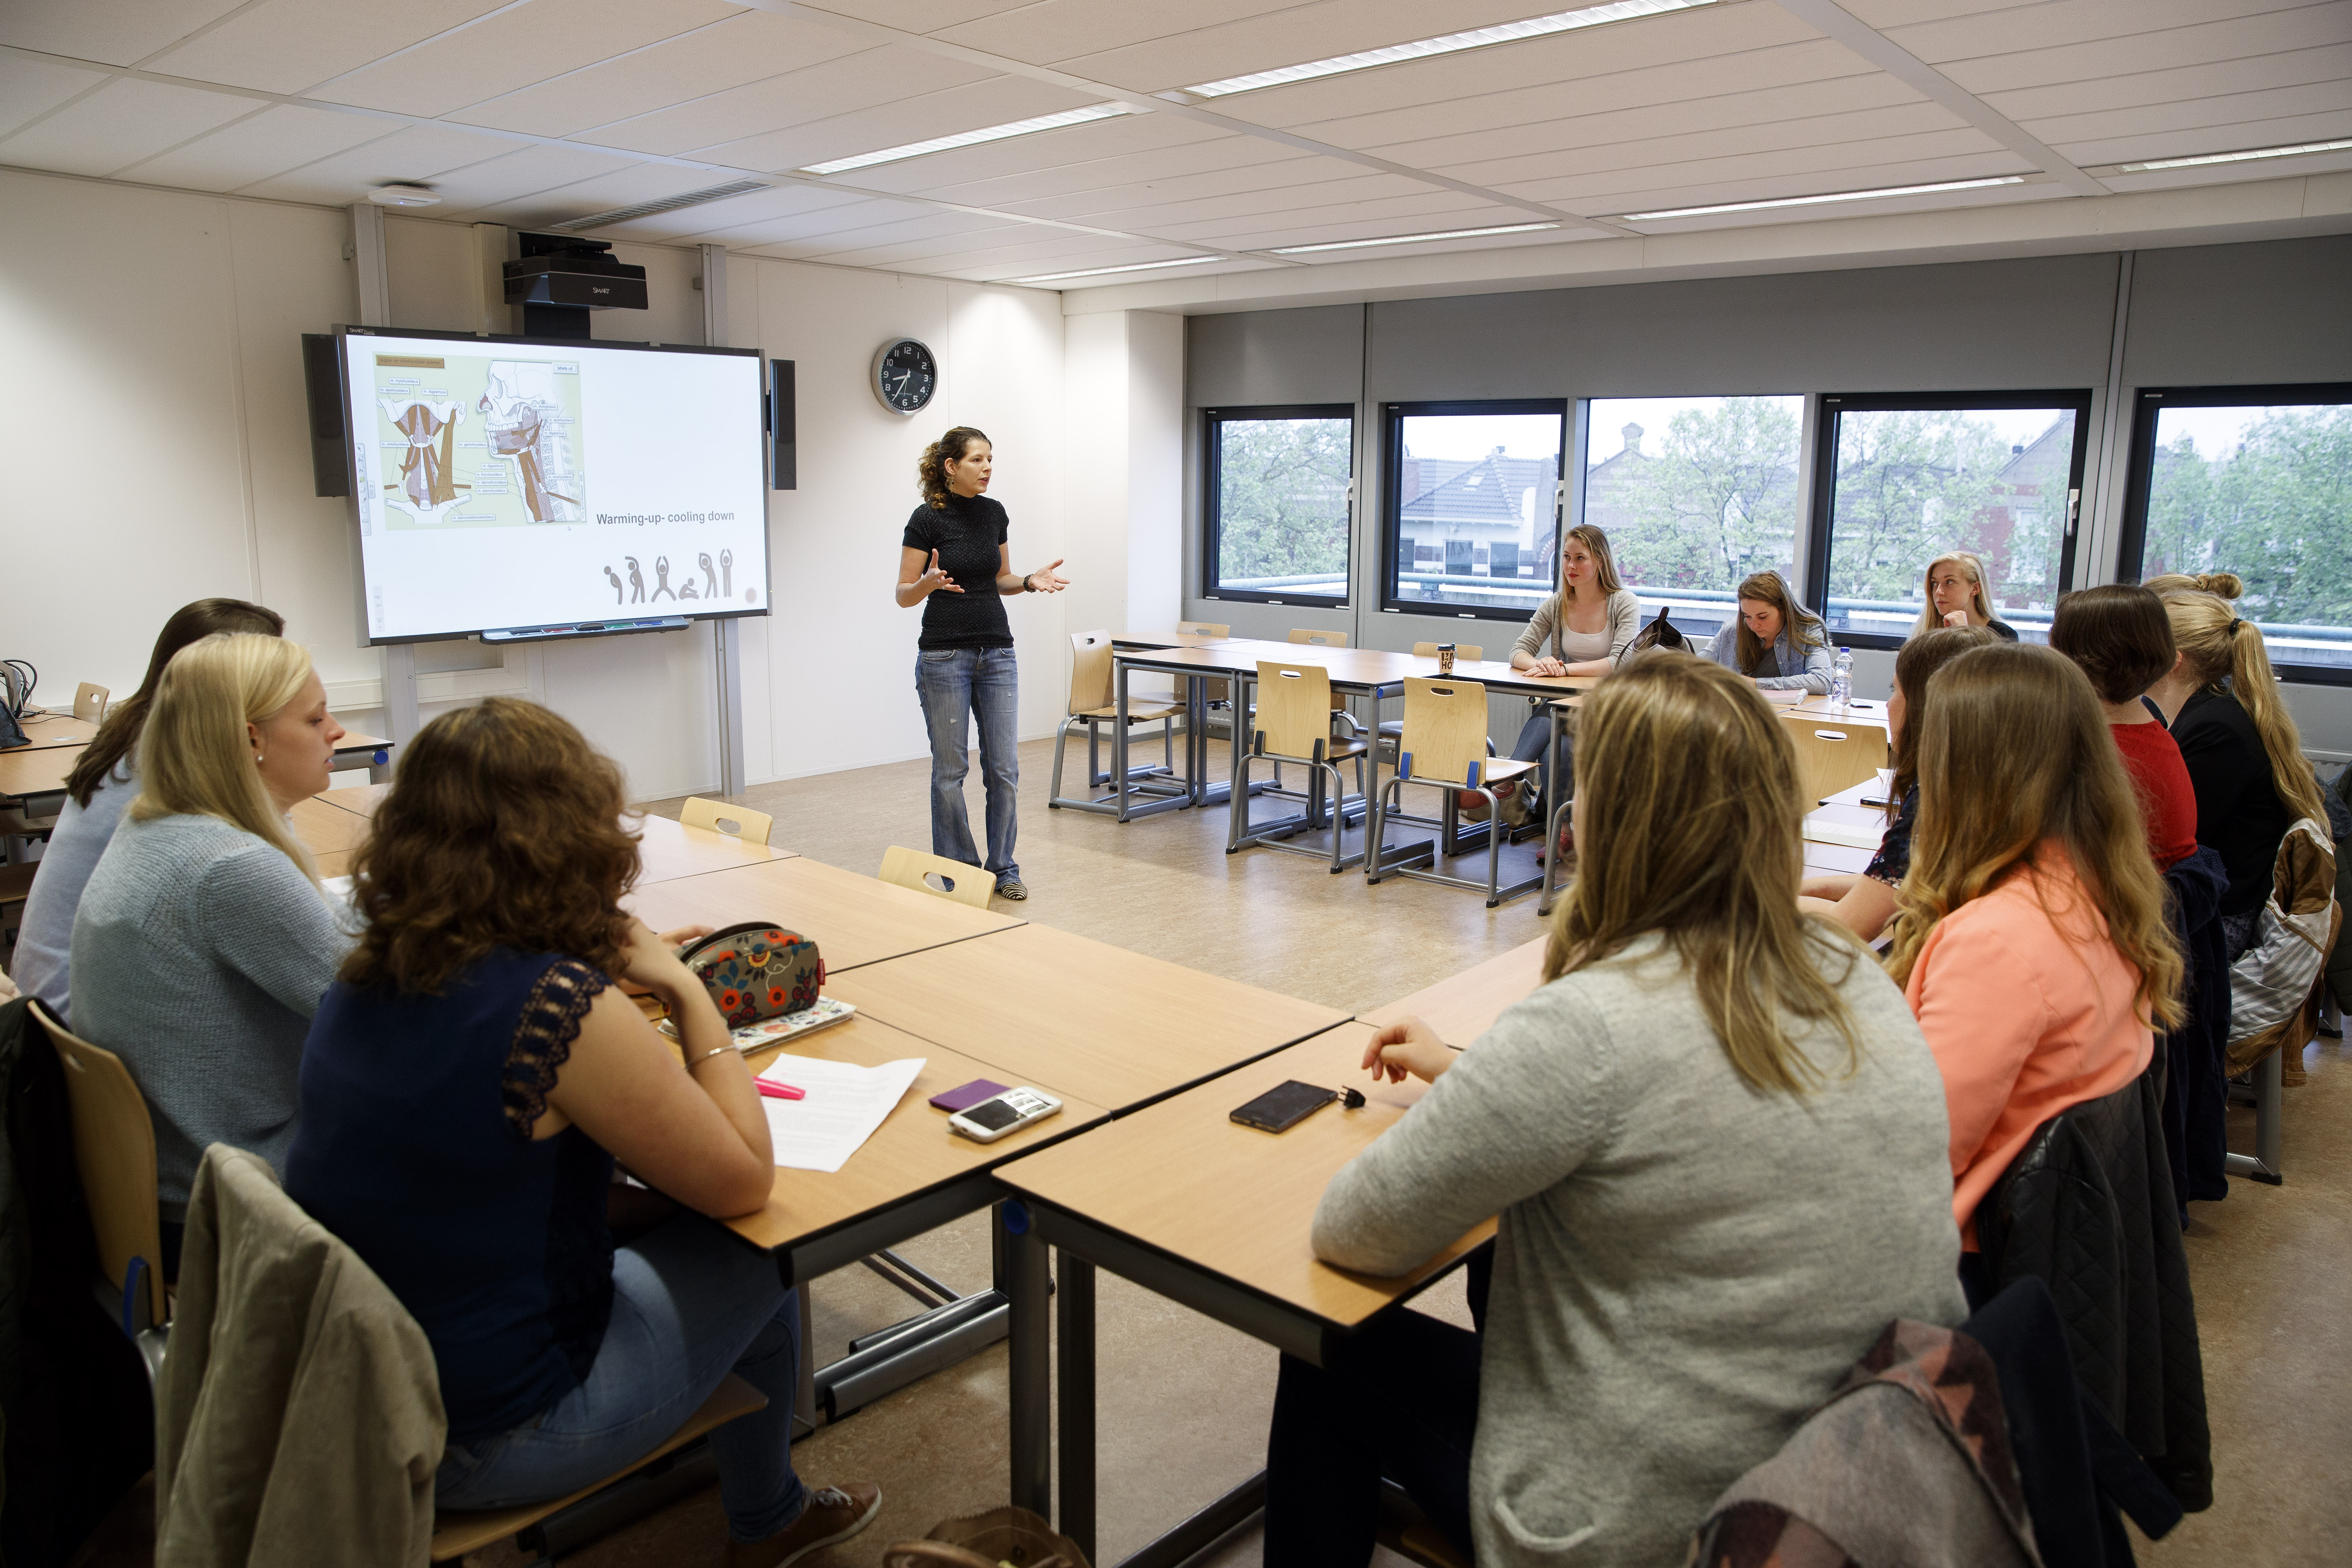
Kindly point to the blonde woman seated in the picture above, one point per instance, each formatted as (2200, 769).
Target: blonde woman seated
(1956, 597)
(1864, 903)
(202, 943)
(1715, 1140)
(1776, 641)
(1580, 630)
(2031, 940)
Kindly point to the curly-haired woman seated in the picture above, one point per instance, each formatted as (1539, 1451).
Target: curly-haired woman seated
(1715, 1140)
(467, 1086)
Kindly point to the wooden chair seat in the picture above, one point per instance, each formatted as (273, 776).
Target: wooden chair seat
(1137, 712)
(456, 1531)
(1495, 770)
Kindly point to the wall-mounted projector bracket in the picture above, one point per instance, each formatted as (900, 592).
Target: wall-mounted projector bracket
(560, 278)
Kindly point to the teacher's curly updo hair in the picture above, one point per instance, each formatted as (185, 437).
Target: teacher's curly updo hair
(931, 467)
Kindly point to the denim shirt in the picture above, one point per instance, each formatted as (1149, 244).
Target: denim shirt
(1809, 671)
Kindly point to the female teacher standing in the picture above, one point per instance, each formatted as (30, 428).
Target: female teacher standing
(956, 564)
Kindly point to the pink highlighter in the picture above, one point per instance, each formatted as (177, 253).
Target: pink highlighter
(779, 1091)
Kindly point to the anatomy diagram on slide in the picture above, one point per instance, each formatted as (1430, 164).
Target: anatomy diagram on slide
(479, 441)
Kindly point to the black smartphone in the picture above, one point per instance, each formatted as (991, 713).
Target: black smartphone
(1283, 1107)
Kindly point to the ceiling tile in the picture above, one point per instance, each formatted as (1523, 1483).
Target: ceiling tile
(1110, 173)
(895, 123)
(2277, 33)
(921, 15)
(1096, 141)
(120, 123)
(1885, 14)
(413, 152)
(841, 86)
(1890, 206)
(2240, 136)
(30, 87)
(1374, 195)
(518, 49)
(1803, 140)
(534, 172)
(115, 32)
(799, 226)
(627, 187)
(693, 225)
(749, 47)
(1057, 30)
(2187, 115)
(277, 139)
(285, 45)
(2178, 85)
(2016, 29)
(1425, 214)
(1287, 173)
(1608, 192)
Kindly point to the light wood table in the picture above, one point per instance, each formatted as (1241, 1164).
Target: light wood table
(47, 730)
(324, 829)
(1466, 1007)
(855, 921)
(1165, 639)
(667, 850)
(362, 799)
(1055, 1009)
(30, 773)
(1190, 1206)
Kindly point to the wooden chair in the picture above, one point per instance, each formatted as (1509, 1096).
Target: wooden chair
(904, 867)
(1092, 705)
(459, 1531)
(1393, 728)
(1832, 754)
(1292, 723)
(1309, 637)
(1443, 746)
(15, 887)
(114, 1152)
(89, 702)
(717, 816)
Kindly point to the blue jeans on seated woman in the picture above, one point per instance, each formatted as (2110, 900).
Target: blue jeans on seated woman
(690, 1304)
(956, 683)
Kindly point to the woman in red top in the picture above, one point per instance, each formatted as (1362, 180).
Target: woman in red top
(2122, 638)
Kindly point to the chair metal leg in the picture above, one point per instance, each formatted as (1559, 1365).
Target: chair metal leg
(2263, 1165)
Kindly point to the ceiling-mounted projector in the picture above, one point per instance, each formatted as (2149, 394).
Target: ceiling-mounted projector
(558, 270)
(404, 194)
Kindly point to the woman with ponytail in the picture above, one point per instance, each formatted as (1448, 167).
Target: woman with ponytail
(2238, 741)
(954, 562)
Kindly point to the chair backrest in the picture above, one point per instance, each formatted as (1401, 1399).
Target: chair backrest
(1204, 629)
(717, 816)
(89, 702)
(1472, 651)
(904, 867)
(1294, 708)
(1445, 729)
(1834, 755)
(1308, 635)
(114, 1149)
(1090, 671)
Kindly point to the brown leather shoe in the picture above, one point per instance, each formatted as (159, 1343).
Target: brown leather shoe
(833, 1513)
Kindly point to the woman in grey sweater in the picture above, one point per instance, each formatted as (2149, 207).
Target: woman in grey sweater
(202, 944)
(1776, 641)
(101, 785)
(1717, 1142)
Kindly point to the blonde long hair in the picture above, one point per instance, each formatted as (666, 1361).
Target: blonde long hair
(2225, 584)
(2219, 645)
(1970, 567)
(2014, 752)
(193, 759)
(1604, 564)
(1803, 628)
(1687, 785)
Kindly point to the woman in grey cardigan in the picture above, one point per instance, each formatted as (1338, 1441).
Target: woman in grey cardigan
(203, 945)
(1716, 1141)
(1777, 641)
(1580, 630)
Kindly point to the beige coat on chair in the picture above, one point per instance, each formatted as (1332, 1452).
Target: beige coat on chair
(297, 1419)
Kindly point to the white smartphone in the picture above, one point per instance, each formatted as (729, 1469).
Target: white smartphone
(1008, 1112)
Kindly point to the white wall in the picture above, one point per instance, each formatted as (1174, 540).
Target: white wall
(1126, 371)
(154, 411)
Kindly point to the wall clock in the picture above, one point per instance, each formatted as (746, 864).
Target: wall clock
(906, 374)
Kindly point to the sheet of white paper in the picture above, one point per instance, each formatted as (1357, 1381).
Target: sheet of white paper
(845, 1104)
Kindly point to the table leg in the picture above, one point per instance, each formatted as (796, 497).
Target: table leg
(1119, 727)
(1074, 1307)
(1025, 1280)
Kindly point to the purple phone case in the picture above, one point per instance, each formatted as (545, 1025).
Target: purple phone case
(963, 1097)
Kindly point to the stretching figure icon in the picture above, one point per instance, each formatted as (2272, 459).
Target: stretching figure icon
(636, 580)
(727, 564)
(613, 578)
(661, 577)
(711, 578)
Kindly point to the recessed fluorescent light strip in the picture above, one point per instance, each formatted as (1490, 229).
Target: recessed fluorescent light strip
(1475, 38)
(1107, 271)
(1412, 238)
(1815, 200)
(667, 204)
(971, 138)
(2232, 157)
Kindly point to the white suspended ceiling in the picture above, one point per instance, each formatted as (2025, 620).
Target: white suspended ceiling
(537, 114)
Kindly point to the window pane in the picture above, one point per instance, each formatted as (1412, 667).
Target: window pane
(1695, 494)
(2266, 492)
(1914, 484)
(1476, 523)
(1282, 506)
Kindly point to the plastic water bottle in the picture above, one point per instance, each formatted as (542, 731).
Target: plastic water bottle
(1841, 677)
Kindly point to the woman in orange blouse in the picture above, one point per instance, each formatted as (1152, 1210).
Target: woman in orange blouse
(2030, 939)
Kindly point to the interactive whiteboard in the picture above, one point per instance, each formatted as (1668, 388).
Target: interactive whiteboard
(512, 483)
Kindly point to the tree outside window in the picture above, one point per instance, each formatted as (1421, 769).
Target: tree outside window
(1280, 523)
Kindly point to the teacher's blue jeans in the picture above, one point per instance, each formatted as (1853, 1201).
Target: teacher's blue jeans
(690, 1304)
(955, 684)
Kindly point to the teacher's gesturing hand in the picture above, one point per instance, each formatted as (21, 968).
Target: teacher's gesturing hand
(1046, 579)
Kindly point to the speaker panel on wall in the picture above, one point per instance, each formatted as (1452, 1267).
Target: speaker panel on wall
(783, 444)
(331, 467)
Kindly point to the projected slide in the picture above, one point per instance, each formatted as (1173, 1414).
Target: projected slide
(503, 485)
